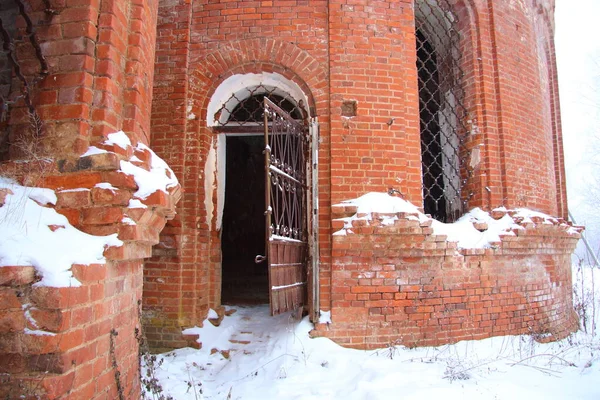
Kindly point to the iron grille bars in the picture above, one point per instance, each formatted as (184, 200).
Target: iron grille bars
(441, 111)
(286, 166)
(245, 108)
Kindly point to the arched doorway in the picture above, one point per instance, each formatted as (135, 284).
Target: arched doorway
(263, 125)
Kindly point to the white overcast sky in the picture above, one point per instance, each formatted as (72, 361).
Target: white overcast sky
(578, 57)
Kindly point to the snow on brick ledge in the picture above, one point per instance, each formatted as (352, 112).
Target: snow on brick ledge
(476, 229)
(150, 172)
(34, 234)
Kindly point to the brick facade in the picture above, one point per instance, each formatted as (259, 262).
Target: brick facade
(151, 69)
(338, 52)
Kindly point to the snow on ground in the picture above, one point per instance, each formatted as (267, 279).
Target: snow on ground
(38, 236)
(273, 358)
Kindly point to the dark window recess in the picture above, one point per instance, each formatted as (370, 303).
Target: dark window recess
(441, 111)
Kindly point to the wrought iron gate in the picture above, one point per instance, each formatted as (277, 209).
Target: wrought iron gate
(285, 197)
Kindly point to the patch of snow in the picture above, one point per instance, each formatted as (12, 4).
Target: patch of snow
(74, 190)
(105, 185)
(463, 231)
(528, 214)
(42, 196)
(27, 239)
(118, 138)
(135, 203)
(274, 358)
(324, 317)
(285, 239)
(26, 311)
(287, 286)
(93, 150)
(217, 337)
(160, 177)
(38, 332)
(381, 203)
(212, 314)
(128, 221)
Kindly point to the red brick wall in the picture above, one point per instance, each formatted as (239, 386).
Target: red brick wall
(346, 51)
(100, 58)
(372, 62)
(75, 359)
(526, 135)
(199, 47)
(402, 284)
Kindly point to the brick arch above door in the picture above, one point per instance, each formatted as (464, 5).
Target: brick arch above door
(254, 56)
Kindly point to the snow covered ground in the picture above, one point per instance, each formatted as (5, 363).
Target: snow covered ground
(261, 357)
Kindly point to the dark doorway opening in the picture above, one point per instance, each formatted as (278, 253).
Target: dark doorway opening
(243, 234)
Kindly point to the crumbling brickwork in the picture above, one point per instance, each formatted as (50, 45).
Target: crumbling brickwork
(403, 284)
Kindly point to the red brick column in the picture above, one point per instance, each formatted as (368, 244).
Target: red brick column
(528, 135)
(373, 64)
(90, 339)
(101, 58)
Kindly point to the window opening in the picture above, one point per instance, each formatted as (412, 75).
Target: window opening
(441, 111)
(245, 108)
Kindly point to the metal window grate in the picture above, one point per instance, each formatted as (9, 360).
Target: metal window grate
(245, 109)
(441, 111)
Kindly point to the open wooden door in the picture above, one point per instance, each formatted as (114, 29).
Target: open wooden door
(286, 146)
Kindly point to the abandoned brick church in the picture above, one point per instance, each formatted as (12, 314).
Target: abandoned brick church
(300, 131)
